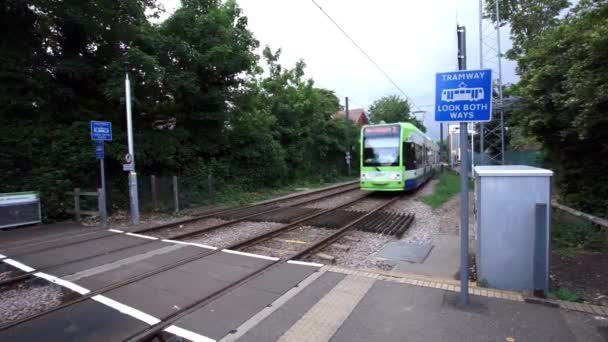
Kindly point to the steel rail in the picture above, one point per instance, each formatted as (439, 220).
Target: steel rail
(156, 329)
(159, 270)
(28, 275)
(170, 224)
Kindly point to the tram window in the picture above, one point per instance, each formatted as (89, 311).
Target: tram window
(409, 154)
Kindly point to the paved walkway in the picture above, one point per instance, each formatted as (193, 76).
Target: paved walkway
(350, 307)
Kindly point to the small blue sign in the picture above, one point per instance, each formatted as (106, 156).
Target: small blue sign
(463, 96)
(99, 150)
(101, 130)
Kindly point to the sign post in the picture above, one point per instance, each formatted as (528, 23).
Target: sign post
(134, 199)
(463, 96)
(101, 131)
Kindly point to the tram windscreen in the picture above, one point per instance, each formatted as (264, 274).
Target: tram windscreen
(381, 146)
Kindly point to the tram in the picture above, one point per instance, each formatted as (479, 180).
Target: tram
(396, 157)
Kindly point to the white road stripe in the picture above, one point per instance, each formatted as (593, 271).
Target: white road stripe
(61, 282)
(187, 334)
(2, 256)
(267, 311)
(19, 265)
(297, 262)
(122, 262)
(142, 236)
(127, 310)
(190, 243)
(322, 321)
(250, 254)
(116, 230)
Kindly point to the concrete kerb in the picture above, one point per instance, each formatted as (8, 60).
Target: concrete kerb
(453, 285)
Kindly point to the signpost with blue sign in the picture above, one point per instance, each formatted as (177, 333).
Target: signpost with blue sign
(101, 131)
(99, 150)
(463, 96)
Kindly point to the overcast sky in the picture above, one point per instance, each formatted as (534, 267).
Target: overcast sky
(410, 39)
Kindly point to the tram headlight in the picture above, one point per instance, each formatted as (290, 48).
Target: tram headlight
(395, 176)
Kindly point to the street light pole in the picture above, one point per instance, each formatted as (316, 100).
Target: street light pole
(132, 174)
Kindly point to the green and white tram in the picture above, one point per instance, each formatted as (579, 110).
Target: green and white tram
(396, 157)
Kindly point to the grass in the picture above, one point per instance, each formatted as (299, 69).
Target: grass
(567, 236)
(565, 294)
(236, 195)
(448, 186)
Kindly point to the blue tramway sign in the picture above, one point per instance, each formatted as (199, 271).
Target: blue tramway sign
(463, 96)
(101, 130)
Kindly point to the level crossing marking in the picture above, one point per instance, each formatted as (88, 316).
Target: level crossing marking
(19, 265)
(123, 308)
(122, 262)
(116, 231)
(2, 256)
(267, 311)
(333, 309)
(190, 244)
(187, 334)
(259, 256)
(142, 236)
(304, 263)
(127, 310)
(61, 282)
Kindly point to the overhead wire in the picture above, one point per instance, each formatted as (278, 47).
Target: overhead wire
(366, 55)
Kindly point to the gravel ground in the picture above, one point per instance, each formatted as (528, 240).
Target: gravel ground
(188, 227)
(229, 235)
(122, 219)
(335, 201)
(289, 243)
(28, 299)
(363, 247)
(367, 204)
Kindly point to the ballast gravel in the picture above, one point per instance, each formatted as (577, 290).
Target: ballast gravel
(335, 201)
(290, 243)
(187, 227)
(226, 236)
(361, 253)
(28, 299)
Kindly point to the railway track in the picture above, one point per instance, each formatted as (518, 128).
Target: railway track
(251, 211)
(237, 246)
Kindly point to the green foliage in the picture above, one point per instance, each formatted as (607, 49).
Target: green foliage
(526, 18)
(564, 294)
(201, 105)
(568, 235)
(445, 189)
(483, 283)
(393, 109)
(565, 87)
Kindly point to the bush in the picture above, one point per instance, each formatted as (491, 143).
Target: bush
(577, 235)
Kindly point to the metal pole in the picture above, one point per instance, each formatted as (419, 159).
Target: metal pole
(481, 125)
(502, 122)
(175, 195)
(346, 126)
(464, 189)
(472, 124)
(132, 174)
(104, 206)
(441, 146)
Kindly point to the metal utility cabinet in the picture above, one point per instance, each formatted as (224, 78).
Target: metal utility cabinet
(512, 212)
(19, 208)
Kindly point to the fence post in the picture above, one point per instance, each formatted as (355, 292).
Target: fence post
(154, 192)
(175, 195)
(77, 203)
(210, 185)
(101, 200)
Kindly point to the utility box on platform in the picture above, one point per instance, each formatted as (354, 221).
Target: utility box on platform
(512, 213)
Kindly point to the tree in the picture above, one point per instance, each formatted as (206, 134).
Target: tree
(393, 109)
(565, 87)
(526, 18)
